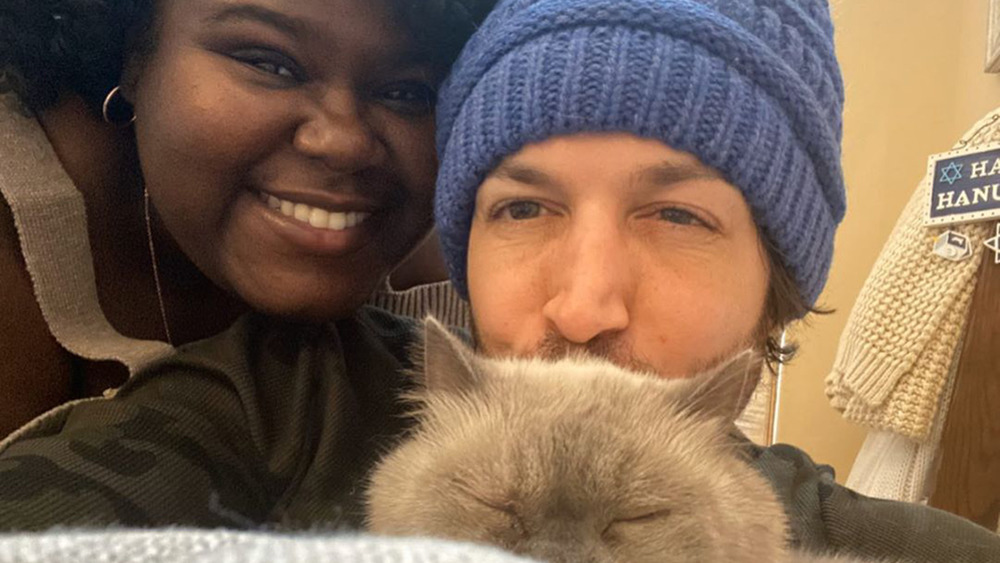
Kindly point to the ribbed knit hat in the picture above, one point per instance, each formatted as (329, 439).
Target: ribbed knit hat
(750, 87)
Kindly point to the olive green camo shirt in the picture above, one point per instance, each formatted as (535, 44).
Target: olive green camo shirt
(275, 425)
(267, 423)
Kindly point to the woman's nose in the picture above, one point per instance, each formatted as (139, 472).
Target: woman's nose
(339, 134)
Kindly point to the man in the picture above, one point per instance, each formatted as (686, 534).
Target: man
(659, 183)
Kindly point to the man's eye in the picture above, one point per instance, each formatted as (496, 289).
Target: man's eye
(522, 210)
(680, 216)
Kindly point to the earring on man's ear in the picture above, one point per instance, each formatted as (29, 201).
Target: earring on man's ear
(774, 404)
(116, 110)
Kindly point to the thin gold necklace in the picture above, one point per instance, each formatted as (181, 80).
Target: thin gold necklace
(156, 269)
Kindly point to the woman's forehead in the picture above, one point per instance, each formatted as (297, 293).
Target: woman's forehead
(364, 23)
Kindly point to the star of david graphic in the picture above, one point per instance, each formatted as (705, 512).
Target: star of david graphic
(994, 245)
(951, 173)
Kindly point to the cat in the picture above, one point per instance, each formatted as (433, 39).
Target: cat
(578, 461)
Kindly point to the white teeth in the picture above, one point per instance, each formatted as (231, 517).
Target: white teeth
(302, 212)
(315, 216)
(319, 218)
(337, 221)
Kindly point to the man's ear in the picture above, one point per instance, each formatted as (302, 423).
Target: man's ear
(722, 392)
(449, 365)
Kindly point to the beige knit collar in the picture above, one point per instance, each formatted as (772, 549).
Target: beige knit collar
(51, 222)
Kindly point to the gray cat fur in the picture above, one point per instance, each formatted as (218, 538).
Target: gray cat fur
(578, 461)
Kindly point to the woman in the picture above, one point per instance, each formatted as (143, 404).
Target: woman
(187, 161)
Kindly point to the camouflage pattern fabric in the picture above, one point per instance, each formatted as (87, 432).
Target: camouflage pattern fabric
(268, 424)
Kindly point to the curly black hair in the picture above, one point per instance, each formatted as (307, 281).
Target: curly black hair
(49, 47)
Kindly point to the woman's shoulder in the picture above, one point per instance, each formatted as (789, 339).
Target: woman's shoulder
(36, 372)
(8, 230)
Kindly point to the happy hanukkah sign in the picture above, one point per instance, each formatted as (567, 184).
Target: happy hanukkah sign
(965, 186)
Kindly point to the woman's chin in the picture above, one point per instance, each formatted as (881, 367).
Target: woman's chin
(312, 302)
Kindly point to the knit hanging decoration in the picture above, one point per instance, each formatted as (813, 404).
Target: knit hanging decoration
(750, 87)
(897, 349)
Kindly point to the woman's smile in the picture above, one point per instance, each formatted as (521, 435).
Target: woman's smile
(327, 229)
(317, 217)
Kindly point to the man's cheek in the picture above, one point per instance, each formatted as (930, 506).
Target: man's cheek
(494, 328)
(505, 327)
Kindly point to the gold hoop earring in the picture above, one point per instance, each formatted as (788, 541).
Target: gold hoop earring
(106, 108)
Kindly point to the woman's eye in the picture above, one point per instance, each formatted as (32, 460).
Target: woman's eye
(521, 210)
(411, 98)
(275, 68)
(680, 216)
(270, 62)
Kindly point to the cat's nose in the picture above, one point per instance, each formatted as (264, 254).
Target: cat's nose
(568, 548)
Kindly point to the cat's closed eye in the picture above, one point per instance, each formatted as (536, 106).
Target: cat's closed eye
(504, 511)
(656, 516)
(505, 508)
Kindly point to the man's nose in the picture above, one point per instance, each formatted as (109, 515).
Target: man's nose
(339, 134)
(590, 284)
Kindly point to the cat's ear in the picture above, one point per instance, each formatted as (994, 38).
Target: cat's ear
(723, 391)
(448, 362)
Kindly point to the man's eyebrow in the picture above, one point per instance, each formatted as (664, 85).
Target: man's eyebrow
(669, 173)
(524, 174)
(252, 12)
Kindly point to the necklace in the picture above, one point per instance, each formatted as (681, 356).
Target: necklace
(156, 269)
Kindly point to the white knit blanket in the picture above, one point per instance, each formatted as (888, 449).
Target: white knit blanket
(219, 546)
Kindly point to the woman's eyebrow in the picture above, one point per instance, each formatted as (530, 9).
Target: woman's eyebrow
(284, 23)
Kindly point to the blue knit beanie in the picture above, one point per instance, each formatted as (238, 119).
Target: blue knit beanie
(750, 87)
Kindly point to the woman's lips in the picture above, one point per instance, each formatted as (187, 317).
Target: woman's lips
(315, 217)
(317, 230)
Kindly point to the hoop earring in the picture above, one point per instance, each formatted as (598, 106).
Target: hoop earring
(106, 108)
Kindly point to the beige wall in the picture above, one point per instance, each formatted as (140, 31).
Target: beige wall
(915, 82)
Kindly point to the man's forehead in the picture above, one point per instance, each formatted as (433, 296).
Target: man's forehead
(620, 159)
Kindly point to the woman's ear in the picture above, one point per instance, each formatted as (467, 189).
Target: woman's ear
(141, 50)
(129, 84)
